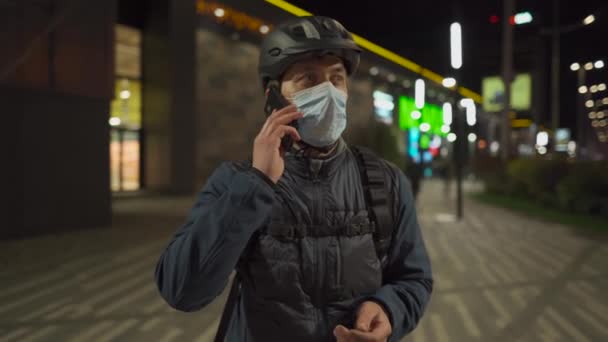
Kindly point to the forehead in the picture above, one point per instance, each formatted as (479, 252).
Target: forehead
(323, 62)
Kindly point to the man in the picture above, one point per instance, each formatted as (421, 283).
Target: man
(295, 224)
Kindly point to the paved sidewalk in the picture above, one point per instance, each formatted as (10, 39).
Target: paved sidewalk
(499, 277)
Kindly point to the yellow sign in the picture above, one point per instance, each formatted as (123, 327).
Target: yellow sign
(521, 123)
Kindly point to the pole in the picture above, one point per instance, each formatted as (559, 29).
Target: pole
(581, 118)
(507, 76)
(458, 120)
(555, 71)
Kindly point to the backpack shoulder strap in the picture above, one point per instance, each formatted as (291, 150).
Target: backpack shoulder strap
(229, 307)
(377, 197)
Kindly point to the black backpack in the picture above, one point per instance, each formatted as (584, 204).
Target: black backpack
(377, 199)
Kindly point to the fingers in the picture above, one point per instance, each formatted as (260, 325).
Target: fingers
(281, 131)
(280, 117)
(365, 317)
(342, 333)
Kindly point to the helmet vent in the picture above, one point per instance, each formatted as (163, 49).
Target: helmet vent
(298, 31)
(274, 52)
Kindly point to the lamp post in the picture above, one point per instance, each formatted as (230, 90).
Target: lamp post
(460, 143)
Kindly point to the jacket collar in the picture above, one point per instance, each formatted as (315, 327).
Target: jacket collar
(316, 167)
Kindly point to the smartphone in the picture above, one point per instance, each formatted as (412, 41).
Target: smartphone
(276, 101)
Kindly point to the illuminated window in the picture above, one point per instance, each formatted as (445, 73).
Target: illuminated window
(125, 112)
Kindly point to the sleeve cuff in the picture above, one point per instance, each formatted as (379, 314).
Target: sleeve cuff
(380, 300)
(261, 175)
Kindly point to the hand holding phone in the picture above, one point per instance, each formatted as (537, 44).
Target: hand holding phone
(276, 101)
(271, 142)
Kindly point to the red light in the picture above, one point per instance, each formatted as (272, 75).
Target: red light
(494, 19)
(512, 20)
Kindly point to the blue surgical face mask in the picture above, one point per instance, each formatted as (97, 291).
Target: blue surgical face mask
(324, 109)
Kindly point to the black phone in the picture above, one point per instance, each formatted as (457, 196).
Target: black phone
(276, 101)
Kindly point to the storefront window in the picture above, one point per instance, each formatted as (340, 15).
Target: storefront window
(125, 115)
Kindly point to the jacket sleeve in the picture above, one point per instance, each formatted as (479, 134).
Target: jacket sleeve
(195, 266)
(407, 279)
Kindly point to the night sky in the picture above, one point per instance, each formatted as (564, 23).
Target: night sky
(419, 30)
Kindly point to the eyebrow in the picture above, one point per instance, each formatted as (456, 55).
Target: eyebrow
(338, 68)
(334, 69)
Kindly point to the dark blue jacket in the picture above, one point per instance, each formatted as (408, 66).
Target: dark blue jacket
(303, 247)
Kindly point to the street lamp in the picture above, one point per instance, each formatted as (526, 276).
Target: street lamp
(419, 93)
(589, 19)
(599, 64)
(449, 82)
(460, 145)
(456, 45)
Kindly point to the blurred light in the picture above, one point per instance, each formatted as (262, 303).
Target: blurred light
(494, 19)
(592, 115)
(494, 146)
(456, 45)
(603, 138)
(471, 109)
(406, 83)
(575, 66)
(125, 94)
(264, 29)
(601, 87)
(603, 123)
(542, 150)
(595, 123)
(593, 89)
(542, 139)
(582, 89)
(425, 127)
(416, 115)
(374, 71)
(589, 103)
(449, 82)
(445, 129)
(482, 144)
(571, 147)
(600, 115)
(219, 12)
(115, 121)
(451, 137)
(589, 19)
(523, 18)
(447, 113)
(391, 78)
(599, 64)
(472, 137)
(605, 100)
(436, 142)
(589, 66)
(419, 93)
(384, 104)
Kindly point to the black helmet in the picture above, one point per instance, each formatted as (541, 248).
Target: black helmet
(298, 38)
